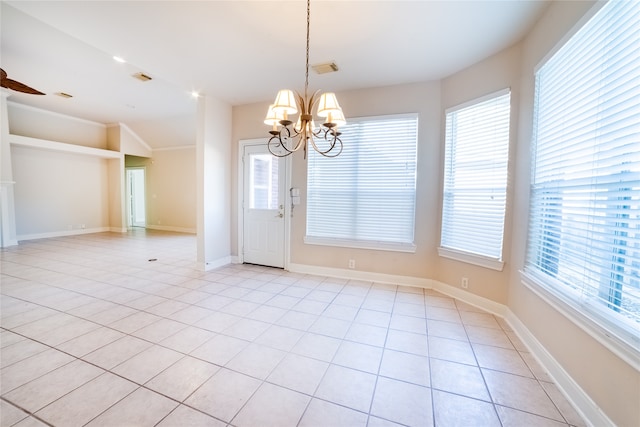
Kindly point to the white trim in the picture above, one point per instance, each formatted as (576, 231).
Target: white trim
(361, 244)
(118, 229)
(64, 233)
(361, 119)
(45, 144)
(216, 263)
(478, 100)
(576, 27)
(573, 312)
(136, 136)
(581, 401)
(52, 113)
(469, 258)
(393, 279)
(360, 275)
(176, 147)
(470, 298)
(171, 228)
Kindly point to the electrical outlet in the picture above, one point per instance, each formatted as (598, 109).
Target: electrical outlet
(465, 282)
(352, 263)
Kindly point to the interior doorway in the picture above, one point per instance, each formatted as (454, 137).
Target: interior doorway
(136, 199)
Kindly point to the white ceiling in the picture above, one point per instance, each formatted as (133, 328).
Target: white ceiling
(238, 51)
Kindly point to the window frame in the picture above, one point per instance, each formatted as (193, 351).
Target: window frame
(408, 247)
(460, 254)
(591, 319)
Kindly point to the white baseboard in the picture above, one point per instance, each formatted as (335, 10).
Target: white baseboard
(8, 243)
(216, 263)
(471, 299)
(117, 230)
(170, 228)
(467, 297)
(580, 400)
(342, 273)
(62, 233)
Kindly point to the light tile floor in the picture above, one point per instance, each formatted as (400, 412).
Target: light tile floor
(95, 332)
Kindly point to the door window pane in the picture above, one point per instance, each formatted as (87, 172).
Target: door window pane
(263, 183)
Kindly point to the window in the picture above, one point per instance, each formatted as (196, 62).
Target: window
(366, 196)
(584, 224)
(475, 180)
(263, 181)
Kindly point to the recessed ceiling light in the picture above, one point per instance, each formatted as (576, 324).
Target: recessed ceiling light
(195, 94)
(118, 59)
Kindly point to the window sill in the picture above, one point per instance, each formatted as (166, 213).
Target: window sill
(361, 244)
(470, 258)
(622, 343)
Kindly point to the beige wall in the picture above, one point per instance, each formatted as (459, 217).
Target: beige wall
(422, 98)
(498, 72)
(429, 100)
(58, 192)
(171, 189)
(213, 183)
(35, 123)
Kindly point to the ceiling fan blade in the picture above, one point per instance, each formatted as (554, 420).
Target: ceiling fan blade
(15, 85)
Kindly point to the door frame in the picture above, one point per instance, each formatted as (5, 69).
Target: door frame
(287, 200)
(128, 194)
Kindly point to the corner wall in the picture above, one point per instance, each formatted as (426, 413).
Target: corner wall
(610, 383)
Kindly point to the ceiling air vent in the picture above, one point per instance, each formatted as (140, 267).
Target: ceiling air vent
(328, 67)
(142, 77)
(64, 95)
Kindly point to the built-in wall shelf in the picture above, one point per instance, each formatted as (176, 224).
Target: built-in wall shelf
(44, 144)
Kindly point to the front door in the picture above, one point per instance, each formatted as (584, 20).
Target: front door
(264, 210)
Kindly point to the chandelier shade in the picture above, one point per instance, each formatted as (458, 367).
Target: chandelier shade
(285, 138)
(328, 104)
(285, 102)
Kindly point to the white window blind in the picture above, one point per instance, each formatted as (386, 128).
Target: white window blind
(366, 195)
(584, 227)
(475, 176)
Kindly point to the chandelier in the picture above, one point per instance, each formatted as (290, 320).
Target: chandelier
(287, 137)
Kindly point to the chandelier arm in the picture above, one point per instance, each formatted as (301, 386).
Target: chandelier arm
(277, 140)
(329, 153)
(335, 141)
(270, 144)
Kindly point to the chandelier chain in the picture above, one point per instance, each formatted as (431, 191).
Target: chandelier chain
(306, 78)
